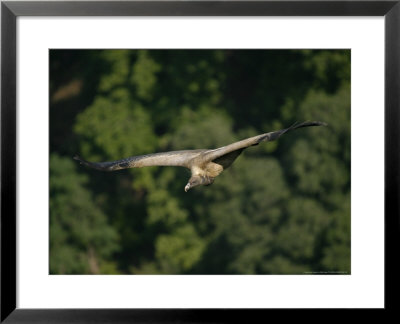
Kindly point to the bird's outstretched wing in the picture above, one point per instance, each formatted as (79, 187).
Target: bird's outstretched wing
(173, 158)
(225, 155)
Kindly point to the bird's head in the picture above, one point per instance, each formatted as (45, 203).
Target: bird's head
(193, 182)
(198, 180)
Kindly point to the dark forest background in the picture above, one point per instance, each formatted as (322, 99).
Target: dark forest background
(282, 208)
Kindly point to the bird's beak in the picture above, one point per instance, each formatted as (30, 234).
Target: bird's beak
(187, 187)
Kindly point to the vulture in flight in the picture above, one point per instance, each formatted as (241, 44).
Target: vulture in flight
(204, 164)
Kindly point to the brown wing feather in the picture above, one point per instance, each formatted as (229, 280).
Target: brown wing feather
(227, 159)
(173, 158)
(243, 144)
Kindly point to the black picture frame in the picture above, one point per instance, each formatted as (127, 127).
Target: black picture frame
(10, 10)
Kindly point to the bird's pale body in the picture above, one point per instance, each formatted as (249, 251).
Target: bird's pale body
(210, 169)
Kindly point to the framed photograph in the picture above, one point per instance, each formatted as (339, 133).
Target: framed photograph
(197, 160)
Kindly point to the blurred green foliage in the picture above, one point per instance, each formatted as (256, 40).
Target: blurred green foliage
(282, 208)
(80, 238)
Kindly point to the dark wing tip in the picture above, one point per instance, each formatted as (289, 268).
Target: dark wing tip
(309, 123)
(76, 157)
(299, 125)
(320, 123)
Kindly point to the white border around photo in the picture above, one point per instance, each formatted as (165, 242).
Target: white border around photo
(363, 288)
